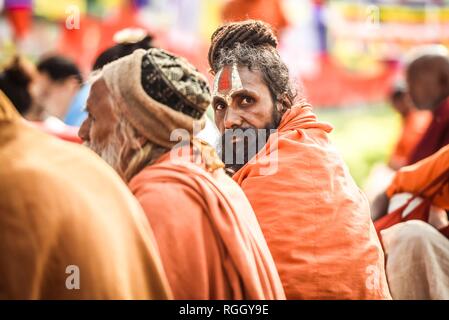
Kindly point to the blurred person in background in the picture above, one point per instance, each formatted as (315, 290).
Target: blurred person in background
(209, 238)
(417, 254)
(16, 81)
(428, 86)
(414, 125)
(59, 91)
(126, 42)
(60, 238)
(314, 217)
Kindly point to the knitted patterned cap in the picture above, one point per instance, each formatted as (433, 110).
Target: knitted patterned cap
(158, 93)
(174, 82)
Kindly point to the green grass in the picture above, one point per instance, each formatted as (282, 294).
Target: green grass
(364, 135)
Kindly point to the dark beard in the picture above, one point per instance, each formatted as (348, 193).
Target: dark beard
(249, 142)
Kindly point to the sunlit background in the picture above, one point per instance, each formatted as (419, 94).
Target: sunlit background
(344, 56)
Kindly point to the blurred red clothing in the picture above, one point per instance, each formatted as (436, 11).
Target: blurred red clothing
(436, 136)
(414, 126)
(269, 11)
(20, 20)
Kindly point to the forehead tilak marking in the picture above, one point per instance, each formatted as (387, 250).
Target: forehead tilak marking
(227, 79)
(236, 82)
(216, 80)
(224, 83)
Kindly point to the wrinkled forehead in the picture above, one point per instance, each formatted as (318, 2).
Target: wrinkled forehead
(227, 79)
(99, 89)
(232, 77)
(99, 94)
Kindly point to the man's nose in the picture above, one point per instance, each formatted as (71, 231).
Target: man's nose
(232, 119)
(83, 132)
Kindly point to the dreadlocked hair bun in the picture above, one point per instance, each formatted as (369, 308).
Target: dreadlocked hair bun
(253, 33)
(17, 74)
(14, 82)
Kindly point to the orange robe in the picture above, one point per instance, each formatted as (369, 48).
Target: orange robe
(314, 217)
(415, 177)
(210, 242)
(414, 127)
(436, 136)
(65, 216)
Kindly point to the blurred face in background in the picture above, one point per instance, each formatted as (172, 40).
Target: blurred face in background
(428, 81)
(54, 97)
(98, 130)
(424, 90)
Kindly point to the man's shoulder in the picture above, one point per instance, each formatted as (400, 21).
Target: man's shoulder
(33, 156)
(157, 184)
(168, 202)
(175, 185)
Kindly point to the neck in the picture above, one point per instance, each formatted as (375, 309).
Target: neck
(140, 159)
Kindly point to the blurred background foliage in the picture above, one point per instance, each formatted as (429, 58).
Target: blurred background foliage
(364, 135)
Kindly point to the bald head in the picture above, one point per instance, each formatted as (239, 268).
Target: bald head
(428, 80)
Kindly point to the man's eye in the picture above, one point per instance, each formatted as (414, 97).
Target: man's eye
(219, 106)
(247, 100)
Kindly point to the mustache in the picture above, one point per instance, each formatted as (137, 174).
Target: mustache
(239, 146)
(246, 135)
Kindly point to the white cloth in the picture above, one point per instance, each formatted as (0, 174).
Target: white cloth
(210, 133)
(437, 216)
(417, 261)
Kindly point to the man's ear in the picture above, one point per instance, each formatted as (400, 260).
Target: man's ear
(283, 104)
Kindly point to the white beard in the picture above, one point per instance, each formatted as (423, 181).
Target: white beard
(110, 153)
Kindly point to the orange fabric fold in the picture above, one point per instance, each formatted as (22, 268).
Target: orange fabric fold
(414, 178)
(315, 219)
(209, 238)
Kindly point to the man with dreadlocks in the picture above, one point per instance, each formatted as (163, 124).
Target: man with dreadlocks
(315, 219)
(209, 239)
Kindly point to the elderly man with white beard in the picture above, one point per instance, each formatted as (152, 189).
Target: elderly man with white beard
(209, 238)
